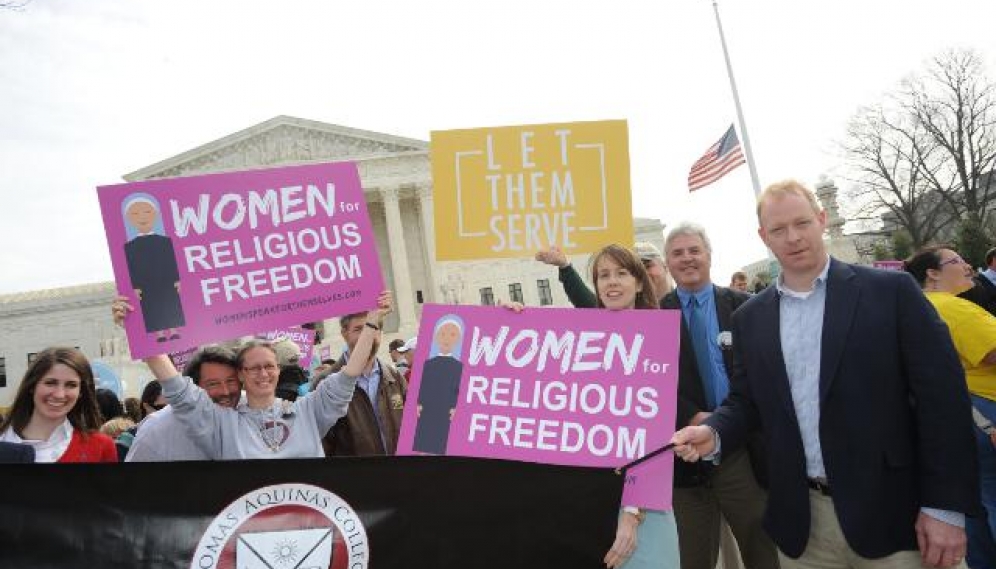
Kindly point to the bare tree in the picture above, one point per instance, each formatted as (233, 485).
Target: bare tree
(888, 155)
(924, 156)
(955, 102)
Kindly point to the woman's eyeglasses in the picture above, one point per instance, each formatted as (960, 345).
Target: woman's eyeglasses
(953, 260)
(254, 370)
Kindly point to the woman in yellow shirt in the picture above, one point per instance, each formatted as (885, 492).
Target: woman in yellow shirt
(943, 274)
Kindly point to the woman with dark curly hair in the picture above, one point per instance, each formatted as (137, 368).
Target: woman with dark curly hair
(55, 411)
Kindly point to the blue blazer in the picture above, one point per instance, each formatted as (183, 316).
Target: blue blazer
(895, 418)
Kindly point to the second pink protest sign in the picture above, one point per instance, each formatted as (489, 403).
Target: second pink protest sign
(558, 386)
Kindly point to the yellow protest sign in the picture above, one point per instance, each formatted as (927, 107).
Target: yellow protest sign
(512, 191)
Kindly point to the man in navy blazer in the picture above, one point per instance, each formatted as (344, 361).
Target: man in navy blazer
(858, 389)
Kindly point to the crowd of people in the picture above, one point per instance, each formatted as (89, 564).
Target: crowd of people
(840, 417)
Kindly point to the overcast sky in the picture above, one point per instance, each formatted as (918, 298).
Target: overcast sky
(92, 90)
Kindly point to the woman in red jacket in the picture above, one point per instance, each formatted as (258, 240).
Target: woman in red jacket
(55, 411)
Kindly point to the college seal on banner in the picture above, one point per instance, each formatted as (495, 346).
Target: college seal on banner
(282, 527)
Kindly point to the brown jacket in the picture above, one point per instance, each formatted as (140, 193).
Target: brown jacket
(357, 434)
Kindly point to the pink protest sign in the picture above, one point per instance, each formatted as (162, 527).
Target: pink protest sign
(558, 386)
(182, 358)
(303, 338)
(220, 256)
(888, 265)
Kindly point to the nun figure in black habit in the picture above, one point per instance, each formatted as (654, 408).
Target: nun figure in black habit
(152, 268)
(439, 387)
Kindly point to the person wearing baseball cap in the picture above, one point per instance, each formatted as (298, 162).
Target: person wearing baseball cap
(407, 351)
(653, 261)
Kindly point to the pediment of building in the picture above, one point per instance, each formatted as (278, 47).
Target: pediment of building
(47, 300)
(282, 141)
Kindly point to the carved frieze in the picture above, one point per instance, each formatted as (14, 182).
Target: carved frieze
(290, 144)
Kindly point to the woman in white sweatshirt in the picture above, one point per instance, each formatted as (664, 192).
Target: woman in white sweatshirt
(263, 425)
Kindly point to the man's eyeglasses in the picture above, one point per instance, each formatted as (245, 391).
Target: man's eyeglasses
(254, 370)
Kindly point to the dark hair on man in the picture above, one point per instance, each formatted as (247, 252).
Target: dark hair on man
(214, 354)
(108, 404)
(922, 261)
(990, 255)
(395, 344)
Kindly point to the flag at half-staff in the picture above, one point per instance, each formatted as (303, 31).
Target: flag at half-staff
(720, 158)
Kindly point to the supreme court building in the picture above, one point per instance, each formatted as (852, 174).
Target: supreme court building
(396, 177)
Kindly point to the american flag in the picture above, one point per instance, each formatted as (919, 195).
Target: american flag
(721, 157)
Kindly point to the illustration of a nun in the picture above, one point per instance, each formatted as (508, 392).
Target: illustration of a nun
(439, 386)
(152, 267)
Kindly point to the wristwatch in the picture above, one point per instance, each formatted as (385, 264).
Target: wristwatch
(638, 513)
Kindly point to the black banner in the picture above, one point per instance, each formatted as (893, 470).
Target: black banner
(378, 512)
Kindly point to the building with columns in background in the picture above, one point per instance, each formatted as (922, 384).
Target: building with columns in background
(396, 177)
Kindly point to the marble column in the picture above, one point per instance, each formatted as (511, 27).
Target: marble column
(403, 298)
(425, 206)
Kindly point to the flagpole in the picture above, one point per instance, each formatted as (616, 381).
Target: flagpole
(748, 152)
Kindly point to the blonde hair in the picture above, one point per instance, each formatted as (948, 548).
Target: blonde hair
(116, 426)
(779, 190)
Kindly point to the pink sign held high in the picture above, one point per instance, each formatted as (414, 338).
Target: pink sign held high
(558, 386)
(219, 256)
(303, 338)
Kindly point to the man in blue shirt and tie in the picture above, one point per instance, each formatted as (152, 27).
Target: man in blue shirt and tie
(704, 494)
